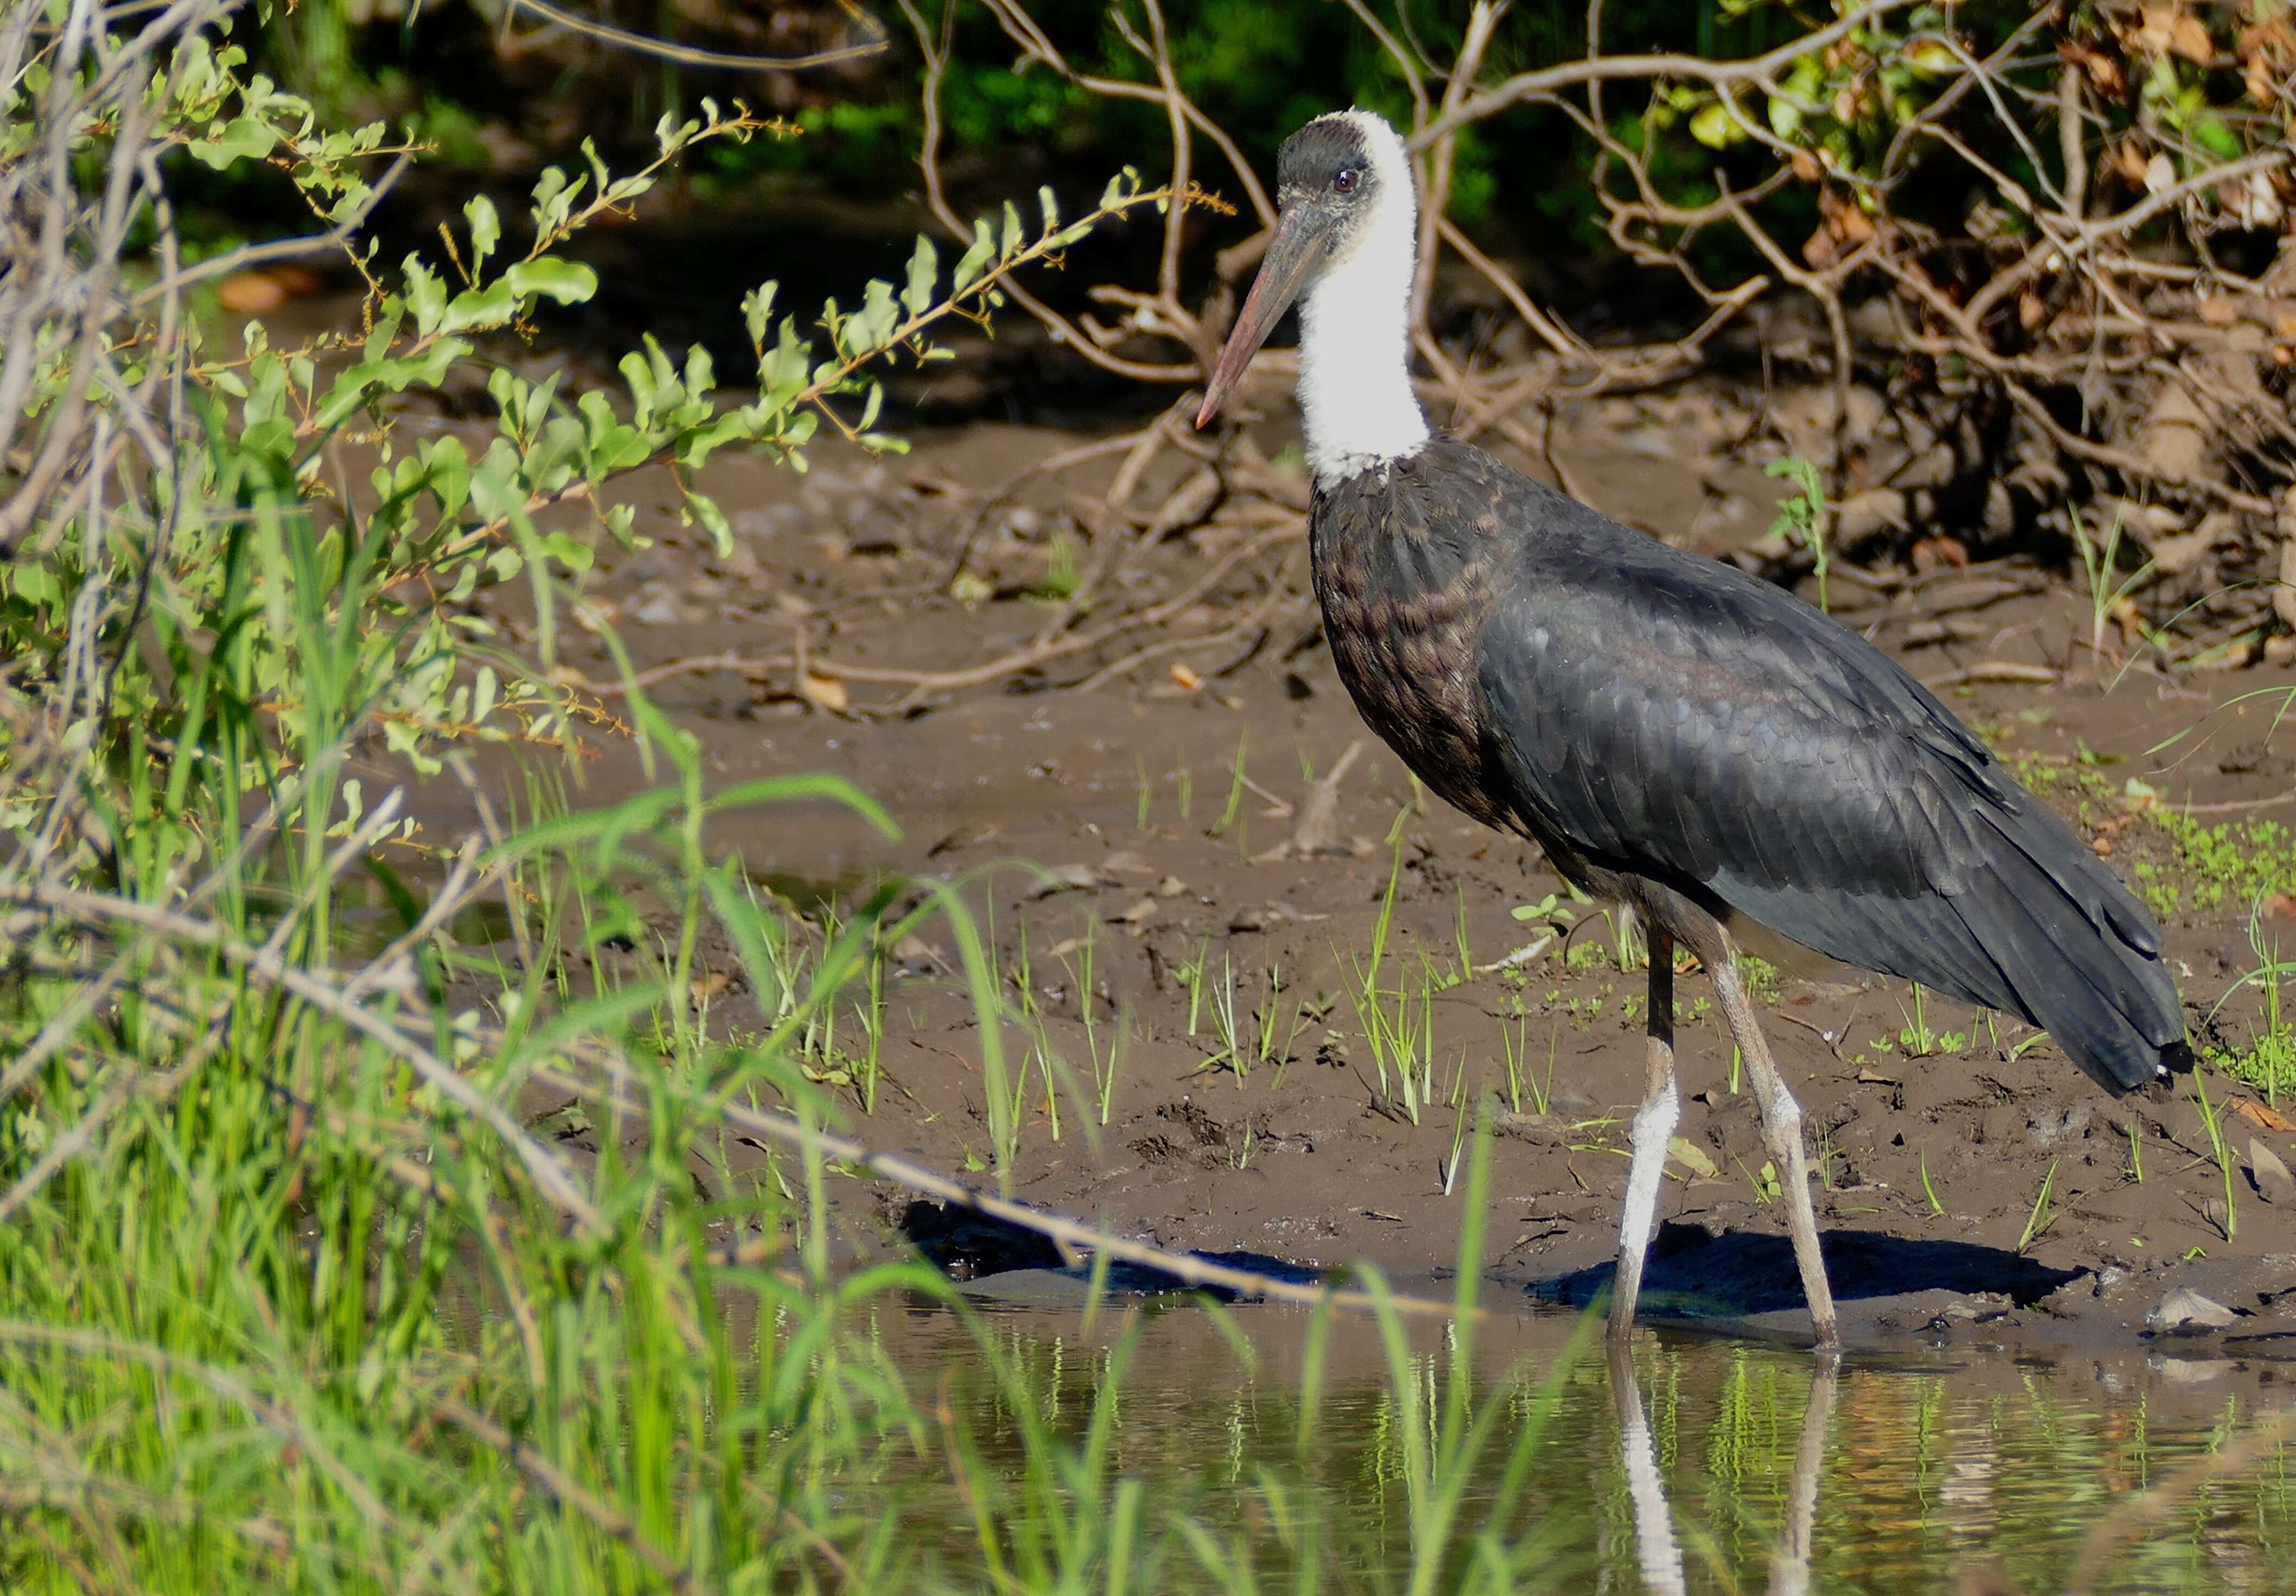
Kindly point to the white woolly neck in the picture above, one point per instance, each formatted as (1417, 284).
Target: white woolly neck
(1356, 403)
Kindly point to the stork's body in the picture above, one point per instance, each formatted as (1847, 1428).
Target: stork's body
(1675, 735)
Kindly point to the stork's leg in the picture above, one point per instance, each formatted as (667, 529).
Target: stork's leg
(1782, 1132)
(1790, 1565)
(1653, 1128)
(1658, 1552)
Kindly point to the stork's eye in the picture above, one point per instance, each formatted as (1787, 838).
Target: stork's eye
(1344, 180)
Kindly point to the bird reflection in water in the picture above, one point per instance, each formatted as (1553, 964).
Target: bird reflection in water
(1658, 1549)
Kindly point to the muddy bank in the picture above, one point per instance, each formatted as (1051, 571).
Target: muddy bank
(1222, 1051)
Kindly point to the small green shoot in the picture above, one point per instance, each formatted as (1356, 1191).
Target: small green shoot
(1519, 1077)
(2214, 1124)
(1767, 1189)
(1802, 515)
(1915, 1038)
(2043, 1214)
(1929, 1190)
(1227, 819)
(2100, 565)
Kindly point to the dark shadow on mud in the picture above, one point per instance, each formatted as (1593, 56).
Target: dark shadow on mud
(1695, 1273)
(972, 1247)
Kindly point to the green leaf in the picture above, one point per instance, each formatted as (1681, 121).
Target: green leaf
(924, 271)
(1785, 116)
(639, 375)
(426, 295)
(757, 311)
(976, 258)
(566, 281)
(1120, 188)
(874, 324)
(243, 138)
(485, 230)
(574, 555)
(492, 306)
(705, 510)
(35, 583)
(1713, 127)
(447, 466)
(495, 490)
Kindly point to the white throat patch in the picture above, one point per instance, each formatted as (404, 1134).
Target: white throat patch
(1356, 401)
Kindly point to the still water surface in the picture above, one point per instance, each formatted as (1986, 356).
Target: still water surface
(1964, 1465)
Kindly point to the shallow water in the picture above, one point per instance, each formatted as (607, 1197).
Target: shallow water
(1730, 1465)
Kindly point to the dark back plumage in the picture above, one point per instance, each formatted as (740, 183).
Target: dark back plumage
(1646, 713)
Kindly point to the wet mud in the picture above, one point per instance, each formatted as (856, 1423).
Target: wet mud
(1185, 912)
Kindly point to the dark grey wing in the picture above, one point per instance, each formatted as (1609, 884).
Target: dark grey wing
(1669, 716)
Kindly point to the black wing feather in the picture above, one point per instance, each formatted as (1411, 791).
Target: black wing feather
(1669, 716)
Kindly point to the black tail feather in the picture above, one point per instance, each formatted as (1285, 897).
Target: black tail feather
(2079, 954)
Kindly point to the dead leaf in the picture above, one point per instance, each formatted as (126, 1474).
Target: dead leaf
(2102, 69)
(708, 983)
(962, 837)
(1185, 679)
(1138, 914)
(2032, 310)
(916, 953)
(2236, 656)
(2188, 36)
(2217, 310)
(1172, 887)
(1941, 549)
(1068, 878)
(2264, 1117)
(2129, 619)
(1692, 1157)
(1843, 216)
(251, 293)
(1252, 920)
(2274, 1183)
(1126, 863)
(824, 692)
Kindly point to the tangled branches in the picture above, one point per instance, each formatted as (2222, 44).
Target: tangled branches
(2042, 248)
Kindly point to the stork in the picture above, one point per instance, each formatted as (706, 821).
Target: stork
(1677, 736)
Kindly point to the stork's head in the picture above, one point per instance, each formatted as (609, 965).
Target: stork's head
(1344, 196)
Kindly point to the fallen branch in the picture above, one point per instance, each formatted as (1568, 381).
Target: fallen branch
(1067, 1233)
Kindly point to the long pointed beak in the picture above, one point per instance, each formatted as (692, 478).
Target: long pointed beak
(1293, 254)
